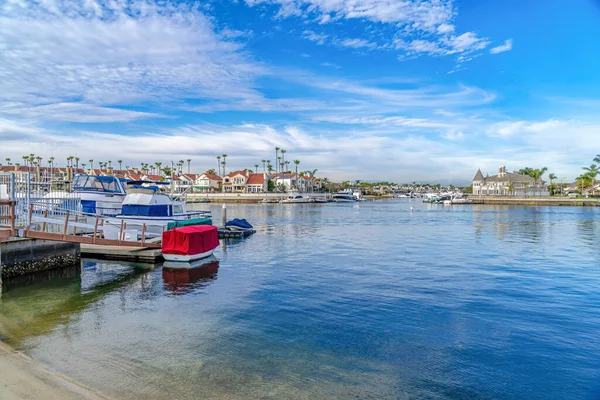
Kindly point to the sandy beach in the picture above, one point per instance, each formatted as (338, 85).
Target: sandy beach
(23, 378)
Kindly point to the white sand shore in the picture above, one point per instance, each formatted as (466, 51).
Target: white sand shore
(22, 378)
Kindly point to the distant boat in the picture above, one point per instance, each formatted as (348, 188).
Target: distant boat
(344, 196)
(297, 198)
(189, 243)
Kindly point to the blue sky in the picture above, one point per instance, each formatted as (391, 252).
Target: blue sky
(360, 89)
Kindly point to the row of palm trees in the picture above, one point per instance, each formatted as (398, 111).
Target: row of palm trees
(32, 161)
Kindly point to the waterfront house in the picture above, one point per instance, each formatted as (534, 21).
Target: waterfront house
(507, 184)
(286, 181)
(257, 183)
(207, 183)
(235, 182)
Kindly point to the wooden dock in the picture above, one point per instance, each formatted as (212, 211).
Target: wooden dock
(131, 253)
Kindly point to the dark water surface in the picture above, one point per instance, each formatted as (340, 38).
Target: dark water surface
(341, 301)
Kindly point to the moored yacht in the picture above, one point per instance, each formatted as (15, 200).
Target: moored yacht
(146, 208)
(344, 196)
(297, 198)
(100, 195)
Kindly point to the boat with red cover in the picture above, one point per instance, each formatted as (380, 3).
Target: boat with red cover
(189, 243)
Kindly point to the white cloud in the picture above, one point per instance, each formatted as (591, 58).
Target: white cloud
(332, 65)
(563, 146)
(318, 38)
(501, 49)
(419, 15)
(423, 27)
(506, 129)
(357, 43)
(104, 52)
(73, 112)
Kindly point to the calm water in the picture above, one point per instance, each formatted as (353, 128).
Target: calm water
(363, 301)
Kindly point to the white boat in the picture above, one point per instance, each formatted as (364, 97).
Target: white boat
(297, 198)
(461, 199)
(187, 258)
(344, 196)
(147, 209)
(100, 195)
(358, 195)
(211, 261)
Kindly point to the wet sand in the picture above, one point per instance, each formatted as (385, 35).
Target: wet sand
(23, 378)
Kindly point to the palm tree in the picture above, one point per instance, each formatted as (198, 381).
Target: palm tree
(189, 161)
(286, 165)
(8, 161)
(77, 162)
(296, 162)
(120, 164)
(264, 162)
(276, 158)
(592, 173)
(91, 163)
(551, 177)
(256, 166)
(219, 164)
(158, 165)
(283, 155)
(224, 162)
(597, 159)
(83, 166)
(269, 167)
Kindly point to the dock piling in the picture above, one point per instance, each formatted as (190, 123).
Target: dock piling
(224, 216)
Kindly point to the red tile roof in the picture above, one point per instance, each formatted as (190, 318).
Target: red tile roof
(234, 173)
(190, 177)
(155, 178)
(213, 177)
(256, 179)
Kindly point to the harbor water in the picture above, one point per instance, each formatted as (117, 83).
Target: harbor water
(336, 301)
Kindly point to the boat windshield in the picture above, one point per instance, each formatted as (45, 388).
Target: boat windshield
(107, 184)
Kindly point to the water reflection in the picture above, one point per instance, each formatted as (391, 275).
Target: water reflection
(51, 298)
(181, 279)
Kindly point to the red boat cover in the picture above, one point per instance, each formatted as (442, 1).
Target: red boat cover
(190, 240)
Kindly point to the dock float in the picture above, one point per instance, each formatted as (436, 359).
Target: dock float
(227, 234)
(128, 253)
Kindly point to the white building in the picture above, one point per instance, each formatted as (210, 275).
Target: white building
(507, 184)
(207, 183)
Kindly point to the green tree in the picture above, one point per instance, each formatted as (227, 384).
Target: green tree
(551, 177)
(271, 185)
(592, 172)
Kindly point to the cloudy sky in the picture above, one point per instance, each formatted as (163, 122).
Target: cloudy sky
(360, 89)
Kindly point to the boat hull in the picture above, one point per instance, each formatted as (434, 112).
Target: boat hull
(187, 258)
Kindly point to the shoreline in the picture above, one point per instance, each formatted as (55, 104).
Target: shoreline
(25, 378)
(536, 201)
